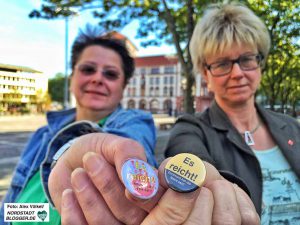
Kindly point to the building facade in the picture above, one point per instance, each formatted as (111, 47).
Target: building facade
(22, 89)
(157, 86)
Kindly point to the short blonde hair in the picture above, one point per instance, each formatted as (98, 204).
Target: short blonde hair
(223, 25)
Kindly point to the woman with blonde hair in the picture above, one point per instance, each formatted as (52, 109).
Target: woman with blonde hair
(248, 144)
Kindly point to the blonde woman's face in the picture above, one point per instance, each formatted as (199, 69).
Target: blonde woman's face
(238, 86)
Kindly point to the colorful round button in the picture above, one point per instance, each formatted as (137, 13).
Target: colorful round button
(185, 172)
(139, 178)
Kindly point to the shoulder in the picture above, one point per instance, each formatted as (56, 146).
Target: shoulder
(131, 117)
(41, 131)
(198, 119)
(132, 114)
(278, 118)
(190, 124)
(58, 119)
(37, 137)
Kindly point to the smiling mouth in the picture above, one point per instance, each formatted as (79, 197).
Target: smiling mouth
(96, 93)
(236, 87)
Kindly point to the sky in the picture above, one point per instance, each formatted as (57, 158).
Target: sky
(40, 44)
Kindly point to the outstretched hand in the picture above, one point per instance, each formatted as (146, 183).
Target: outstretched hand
(86, 188)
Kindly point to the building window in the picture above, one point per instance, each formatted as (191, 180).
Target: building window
(151, 91)
(133, 81)
(129, 91)
(171, 91)
(131, 104)
(155, 70)
(151, 80)
(169, 70)
(157, 91)
(157, 81)
(165, 91)
(166, 80)
(143, 71)
(171, 80)
(154, 106)
(142, 104)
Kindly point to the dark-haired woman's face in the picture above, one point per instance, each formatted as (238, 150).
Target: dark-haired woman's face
(98, 79)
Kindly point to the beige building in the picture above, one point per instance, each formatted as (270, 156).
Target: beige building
(22, 89)
(157, 86)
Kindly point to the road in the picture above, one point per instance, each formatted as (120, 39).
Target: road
(12, 144)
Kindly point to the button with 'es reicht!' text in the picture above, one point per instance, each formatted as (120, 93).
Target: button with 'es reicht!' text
(185, 172)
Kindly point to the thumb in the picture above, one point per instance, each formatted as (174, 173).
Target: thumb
(174, 207)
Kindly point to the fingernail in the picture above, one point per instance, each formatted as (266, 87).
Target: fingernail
(79, 179)
(92, 163)
(67, 198)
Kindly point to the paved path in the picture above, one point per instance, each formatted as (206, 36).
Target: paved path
(21, 123)
(12, 144)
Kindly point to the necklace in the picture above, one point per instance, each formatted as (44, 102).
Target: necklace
(248, 135)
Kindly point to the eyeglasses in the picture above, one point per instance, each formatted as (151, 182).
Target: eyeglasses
(89, 69)
(246, 63)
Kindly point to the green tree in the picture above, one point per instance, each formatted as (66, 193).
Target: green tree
(294, 96)
(173, 21)
(281, 74)
(56, 88)
(160, 21)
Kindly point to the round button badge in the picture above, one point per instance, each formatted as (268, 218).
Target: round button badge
(185, 172)
(139, 178)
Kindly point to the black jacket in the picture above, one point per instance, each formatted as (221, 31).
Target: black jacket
(211, 136)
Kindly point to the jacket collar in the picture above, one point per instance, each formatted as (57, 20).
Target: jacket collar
(218, 118)
(111, 118)
(280, 131)
(270, 118)
(58, 119)
(277, 127)
(220, 121)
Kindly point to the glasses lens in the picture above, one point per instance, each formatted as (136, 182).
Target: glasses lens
(220, 68)
(249, 62)
(111, 74)
(87, 69)
(246, 63)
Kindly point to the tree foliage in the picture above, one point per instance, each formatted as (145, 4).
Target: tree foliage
(281, 77)
(173, 21)
(56, 88)
(160, 21)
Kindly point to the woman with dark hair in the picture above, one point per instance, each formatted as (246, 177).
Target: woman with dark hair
(101, 68)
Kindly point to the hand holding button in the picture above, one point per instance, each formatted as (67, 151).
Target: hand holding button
(196, 194)
(87, 187)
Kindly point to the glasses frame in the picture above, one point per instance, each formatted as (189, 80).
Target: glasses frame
(109, 74)
(259, 58)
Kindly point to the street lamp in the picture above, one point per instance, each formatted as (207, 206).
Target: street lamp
(68, 12)
(66, 81)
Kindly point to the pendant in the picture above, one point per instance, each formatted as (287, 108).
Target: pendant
(248, 138)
